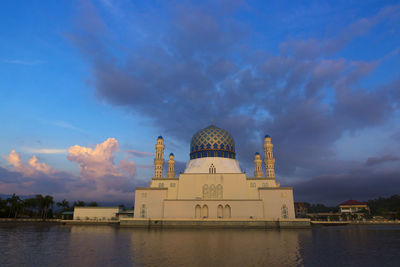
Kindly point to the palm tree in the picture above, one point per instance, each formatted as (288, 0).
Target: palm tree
(47, 203)
(79, 203)
(14, 202)
(32, 205)
(64, 204)
(93, 204)
(41, 205)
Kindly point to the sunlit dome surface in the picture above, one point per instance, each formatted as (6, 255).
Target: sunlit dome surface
(212, 142)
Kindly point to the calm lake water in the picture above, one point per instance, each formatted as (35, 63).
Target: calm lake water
(56, 245)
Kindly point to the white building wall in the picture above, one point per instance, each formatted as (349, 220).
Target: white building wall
(222, 165)
(95, 213)
(238, 209)
(149, 202)
(274, 199)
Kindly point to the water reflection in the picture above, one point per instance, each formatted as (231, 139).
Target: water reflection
(56, 245)
(208, 247)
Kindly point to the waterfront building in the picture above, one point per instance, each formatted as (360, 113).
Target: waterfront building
(300, 209)
(96, 213)
(353, 206)
(213, 186)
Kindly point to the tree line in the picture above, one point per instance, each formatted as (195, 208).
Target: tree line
(386, 207)
(38, 206)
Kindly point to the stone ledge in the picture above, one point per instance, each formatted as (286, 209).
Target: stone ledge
(214, 223)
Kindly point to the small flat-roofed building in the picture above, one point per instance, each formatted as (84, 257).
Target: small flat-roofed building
(96, 213)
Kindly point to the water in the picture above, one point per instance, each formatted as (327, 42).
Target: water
(57, 245)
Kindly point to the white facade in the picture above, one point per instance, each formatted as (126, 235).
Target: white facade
(96, 213)
(221, 165)
(214, 187)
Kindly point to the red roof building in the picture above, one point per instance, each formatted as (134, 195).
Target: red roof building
(353, 206)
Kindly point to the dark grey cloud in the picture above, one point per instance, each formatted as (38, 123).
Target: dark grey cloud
(359, 185)
(199, 62)
(378, 160)
(15, 182)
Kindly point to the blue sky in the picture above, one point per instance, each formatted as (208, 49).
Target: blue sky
(321, 77)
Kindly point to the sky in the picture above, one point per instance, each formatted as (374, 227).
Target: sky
(87, 86)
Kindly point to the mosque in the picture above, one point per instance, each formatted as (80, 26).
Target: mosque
(213, 187)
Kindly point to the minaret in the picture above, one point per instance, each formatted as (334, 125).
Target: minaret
(171, 166)
(258, 173)
(159, 159)
(269, 160)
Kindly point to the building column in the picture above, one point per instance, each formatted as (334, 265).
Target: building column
(258, 173)
(171, 166)
(159, 159)
(269, 160)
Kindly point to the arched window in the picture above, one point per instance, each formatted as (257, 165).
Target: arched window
(222, 146)
(215, 146)
(227, 211)
(212, 169)
(284, 212)
(205, 192)
(213, 192)
(143, 211)
(220, 212)
(197, 212)
(208, 146)
(202, 146)
(204, 211)
(219, 191)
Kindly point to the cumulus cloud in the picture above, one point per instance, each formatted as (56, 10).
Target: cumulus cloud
(97, 166)
(100, 178)
(32, 168)
(98, 161)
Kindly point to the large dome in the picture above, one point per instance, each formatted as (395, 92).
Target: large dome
(212, 142)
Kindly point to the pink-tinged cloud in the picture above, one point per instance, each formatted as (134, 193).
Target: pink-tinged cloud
(100, 179)
(129, 167)
(32, 168)
(97, 168)
(96, 162)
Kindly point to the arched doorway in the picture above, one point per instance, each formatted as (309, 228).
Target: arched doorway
(197, 212)
(204, 212)
(227, 211)
(220, 212)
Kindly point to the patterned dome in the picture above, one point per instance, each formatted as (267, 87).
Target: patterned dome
(212, 142)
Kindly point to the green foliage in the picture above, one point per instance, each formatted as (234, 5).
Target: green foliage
(64, 205)
(93, 204)
(319, 208)
(79, 203)
(386, 207)
(37, 207)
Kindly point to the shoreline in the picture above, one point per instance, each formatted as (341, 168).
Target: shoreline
(209, 223)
